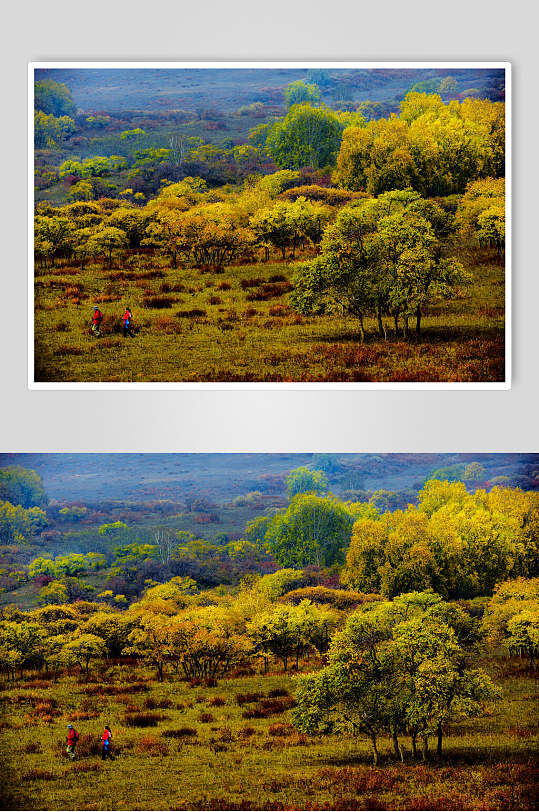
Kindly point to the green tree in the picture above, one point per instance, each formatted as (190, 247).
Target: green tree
(303, 480)
(54, 593)
(53, 98)
(106, 240)
(312, 530)
(307, 136)
(300, 92)
(84, 648)
(22, 486)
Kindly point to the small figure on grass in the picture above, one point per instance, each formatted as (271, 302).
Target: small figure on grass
(72, 739)
(128, 323)
(97, 318)
(106, 743)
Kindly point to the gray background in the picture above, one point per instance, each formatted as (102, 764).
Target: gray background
(269, 420)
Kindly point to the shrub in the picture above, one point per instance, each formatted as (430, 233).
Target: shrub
(158, 302)
(269, 291)
(223, 286)
(215, 300)
(167, 324)
(206, 718)
(151, 704)
(151, 746)
(217, 701)
(190, 314)
(180, 733)
(275, 692)
(281, 729)
(269, 707)
(143, 719)
(246, 732)
(251, 283)
(33, 747)
(244, 699)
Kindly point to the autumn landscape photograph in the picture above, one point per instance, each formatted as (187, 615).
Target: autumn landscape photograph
(269, 631)
(269, 224)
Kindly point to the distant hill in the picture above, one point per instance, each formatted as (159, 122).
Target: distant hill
(141, 478)
(116, 89)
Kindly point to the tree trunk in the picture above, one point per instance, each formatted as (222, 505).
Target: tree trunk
(374, 749)
(361, 330)
(381, 325)
(413, 738)
(160, 671)
(405, 330)
(439, 739)
(396, 745)
(396, 320)
(425, 748)
(418, 320)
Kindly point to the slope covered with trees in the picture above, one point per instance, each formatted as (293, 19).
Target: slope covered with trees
(316, 213)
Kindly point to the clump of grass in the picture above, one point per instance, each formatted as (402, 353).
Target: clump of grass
(151, 746)
(158, 302)
(167, 325)
(269, 707)
(244, 699)
(151, 704)
(269, 291)
(195, 313)
(143, 719)
(217, 701)
(180, 733)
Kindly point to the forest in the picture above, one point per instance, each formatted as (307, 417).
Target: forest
(279, 226)
(329, 631)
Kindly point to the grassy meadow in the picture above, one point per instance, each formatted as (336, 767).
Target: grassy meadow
(198, 325)
(232, 746)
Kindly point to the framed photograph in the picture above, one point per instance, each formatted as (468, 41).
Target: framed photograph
(270, 225)
(269, 631)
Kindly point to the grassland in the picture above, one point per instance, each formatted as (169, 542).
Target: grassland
(194, 326)
(209, 748)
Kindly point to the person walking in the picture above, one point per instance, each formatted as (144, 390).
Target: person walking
(105, 744)
(97, 318)
(72, 739)
(127, 322)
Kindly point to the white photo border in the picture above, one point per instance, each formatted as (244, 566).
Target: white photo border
(285, 385)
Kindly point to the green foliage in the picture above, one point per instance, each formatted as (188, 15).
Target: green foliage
(379, 257)
(307, 136)
(457, 543)
(22, 486)
(312, 530)
(304, 480)
(53, 98)
(394, 673)
(18, 525)
(50, 132)
(435, 148)
(301, 92)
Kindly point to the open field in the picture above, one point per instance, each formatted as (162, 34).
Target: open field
(205, 326)
(219, 759)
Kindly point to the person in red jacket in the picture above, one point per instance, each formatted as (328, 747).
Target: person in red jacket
(72, 739)
(105, 743)
(127, 321)
(97, 318)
